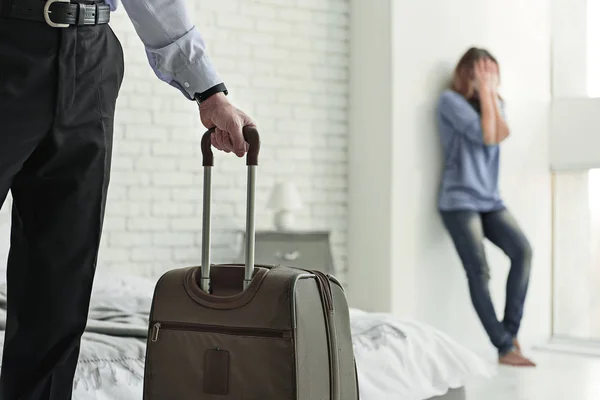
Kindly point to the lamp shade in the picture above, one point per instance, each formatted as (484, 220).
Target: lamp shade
(285, 197)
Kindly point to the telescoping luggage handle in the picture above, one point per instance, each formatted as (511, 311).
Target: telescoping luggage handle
(253, 139)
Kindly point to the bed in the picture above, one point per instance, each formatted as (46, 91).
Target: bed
(396, 359)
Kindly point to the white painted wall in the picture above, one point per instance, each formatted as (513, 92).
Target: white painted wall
(419, 274)
(574, 139)
(575, 113)
(573, 254)
(370, 155)
(570, 47)
(573, 152)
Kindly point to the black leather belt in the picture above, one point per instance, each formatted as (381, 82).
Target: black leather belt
(60, 13)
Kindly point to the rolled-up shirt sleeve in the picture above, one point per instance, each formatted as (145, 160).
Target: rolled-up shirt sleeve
(456, 111)
(175, 48)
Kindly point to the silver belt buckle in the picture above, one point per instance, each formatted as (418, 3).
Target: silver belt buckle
(47, 13)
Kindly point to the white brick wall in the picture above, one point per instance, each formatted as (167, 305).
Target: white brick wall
(286, 64)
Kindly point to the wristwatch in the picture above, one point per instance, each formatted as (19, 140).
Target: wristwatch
(220, 88)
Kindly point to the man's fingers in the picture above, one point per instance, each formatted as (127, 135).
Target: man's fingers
(246, 121)
(237, 138)
(228, 134)
(224, 141)
(227, 141)
(217, 141)
(214, 142)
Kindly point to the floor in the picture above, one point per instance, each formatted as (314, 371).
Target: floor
(558, 376)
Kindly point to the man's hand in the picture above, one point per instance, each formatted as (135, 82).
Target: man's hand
(216, 112)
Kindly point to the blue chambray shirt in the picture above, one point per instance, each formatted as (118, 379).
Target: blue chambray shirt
(175, 48)
(471, 168)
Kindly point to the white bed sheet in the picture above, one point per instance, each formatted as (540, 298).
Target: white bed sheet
(408, 360)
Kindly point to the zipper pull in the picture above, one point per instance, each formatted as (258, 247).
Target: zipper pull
(155, 330)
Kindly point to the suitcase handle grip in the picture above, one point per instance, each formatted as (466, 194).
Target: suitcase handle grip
(251, 137)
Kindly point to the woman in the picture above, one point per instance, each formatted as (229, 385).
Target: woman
(472, 125)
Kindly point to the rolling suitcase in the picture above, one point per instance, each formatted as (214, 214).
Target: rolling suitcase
(247, 332)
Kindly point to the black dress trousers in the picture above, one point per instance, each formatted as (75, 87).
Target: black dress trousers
(58, 89)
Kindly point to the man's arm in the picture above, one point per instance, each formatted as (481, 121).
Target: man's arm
(177, 53)
(174, 46)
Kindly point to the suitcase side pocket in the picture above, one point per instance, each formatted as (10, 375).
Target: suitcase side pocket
(191, 361)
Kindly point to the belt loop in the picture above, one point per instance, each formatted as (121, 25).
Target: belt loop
(81, 14)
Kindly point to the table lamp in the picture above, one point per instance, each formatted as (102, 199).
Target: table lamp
(285, 199)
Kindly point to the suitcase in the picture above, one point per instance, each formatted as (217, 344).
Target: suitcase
(247, 332)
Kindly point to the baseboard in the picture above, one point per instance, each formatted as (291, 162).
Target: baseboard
(579, 347)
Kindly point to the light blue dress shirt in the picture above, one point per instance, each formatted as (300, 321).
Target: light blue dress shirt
(175, 48)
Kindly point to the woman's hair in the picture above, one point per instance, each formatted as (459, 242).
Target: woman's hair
(464, 73)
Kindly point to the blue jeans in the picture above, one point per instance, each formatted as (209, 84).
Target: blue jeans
(468, 230)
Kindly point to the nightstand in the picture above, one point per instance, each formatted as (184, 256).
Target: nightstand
(310, 250)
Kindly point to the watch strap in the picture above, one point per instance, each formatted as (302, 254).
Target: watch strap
(220, 88)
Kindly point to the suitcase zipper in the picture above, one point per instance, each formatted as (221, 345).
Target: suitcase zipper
(328, 301)
(225, 330)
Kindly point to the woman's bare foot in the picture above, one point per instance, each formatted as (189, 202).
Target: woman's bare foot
(516, 359)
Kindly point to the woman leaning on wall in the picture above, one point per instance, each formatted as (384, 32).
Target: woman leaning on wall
(472, 127)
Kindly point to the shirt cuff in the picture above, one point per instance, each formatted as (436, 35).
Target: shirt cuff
(184, 64)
